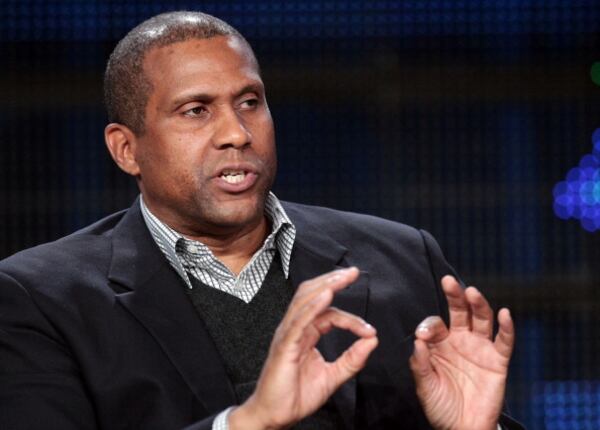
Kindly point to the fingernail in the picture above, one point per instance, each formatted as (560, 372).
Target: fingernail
(369, 327)
(423, 328)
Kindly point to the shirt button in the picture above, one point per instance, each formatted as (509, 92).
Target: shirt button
(190, 247)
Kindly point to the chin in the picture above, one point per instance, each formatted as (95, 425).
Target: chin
(238, 213)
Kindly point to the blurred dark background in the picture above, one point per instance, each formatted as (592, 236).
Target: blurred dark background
(455, 116)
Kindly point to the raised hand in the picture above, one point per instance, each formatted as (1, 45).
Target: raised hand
(460, 372)
(296, 380)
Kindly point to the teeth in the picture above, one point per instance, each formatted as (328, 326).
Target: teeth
(233, 177)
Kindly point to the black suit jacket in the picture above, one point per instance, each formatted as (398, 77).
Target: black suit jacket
(96, 330)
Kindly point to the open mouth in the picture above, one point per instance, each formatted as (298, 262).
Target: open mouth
(233, 176)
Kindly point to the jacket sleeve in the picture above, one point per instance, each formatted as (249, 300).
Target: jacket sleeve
(440, 268)
(40, 386)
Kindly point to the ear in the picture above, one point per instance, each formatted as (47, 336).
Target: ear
(122, 143)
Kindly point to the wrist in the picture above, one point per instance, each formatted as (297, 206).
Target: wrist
(240, 418)
(246, 417)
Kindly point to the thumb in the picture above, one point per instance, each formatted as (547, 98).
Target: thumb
(430, 331)
(420, 364)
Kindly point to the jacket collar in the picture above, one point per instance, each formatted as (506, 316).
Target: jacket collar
(153, 292)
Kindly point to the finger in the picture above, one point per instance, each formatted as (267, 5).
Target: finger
(420, 365)
(307, 297)
(334, 317)
(482, 317)
(335, 281)
(505, 339)
(353, 359)
(296, 322)
(309, 285)
(303, 310)
(432, 330)
(460, 313)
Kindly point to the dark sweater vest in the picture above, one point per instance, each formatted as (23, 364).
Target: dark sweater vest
(242, 333)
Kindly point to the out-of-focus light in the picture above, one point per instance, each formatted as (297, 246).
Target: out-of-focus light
(578, 197)
(569, 405)
(595, 73)
(596, 136)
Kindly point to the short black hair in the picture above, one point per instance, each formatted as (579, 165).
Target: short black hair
(126, 87)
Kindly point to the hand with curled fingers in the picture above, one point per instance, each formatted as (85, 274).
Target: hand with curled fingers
(296, 380)
(460, 372)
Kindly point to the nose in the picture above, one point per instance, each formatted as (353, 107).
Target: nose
(231, 131)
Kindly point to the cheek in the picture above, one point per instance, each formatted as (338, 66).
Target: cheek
(162, 169)
(264, 138)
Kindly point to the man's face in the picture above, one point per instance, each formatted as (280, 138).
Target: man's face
(207, 157)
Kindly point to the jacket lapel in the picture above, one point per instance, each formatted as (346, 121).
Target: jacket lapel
(155, 295)
(315, 253)
(152, 292)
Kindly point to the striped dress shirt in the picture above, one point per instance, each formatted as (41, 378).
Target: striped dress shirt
(190, 257)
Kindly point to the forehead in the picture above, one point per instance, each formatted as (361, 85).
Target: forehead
(211, 63)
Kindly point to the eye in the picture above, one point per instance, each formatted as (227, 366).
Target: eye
(195, 111)
(249, 103)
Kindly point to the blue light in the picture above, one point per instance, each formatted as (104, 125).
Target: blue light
(596, 136)
(574, 175)
(588, 161)
(570, 405)
(560, 190)
(579, 196)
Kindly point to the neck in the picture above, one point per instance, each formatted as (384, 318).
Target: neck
(235, 249)
(233, 245)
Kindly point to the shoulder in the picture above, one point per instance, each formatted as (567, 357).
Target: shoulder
(384, 242)
(350, 225)
(71, 254)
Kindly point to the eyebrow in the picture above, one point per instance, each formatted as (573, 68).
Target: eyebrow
(254, 87)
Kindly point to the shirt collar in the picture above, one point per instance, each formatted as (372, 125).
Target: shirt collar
(282, 236)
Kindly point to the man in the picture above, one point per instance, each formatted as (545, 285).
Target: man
(207, 303)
